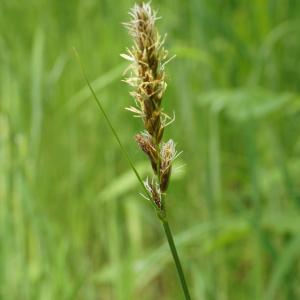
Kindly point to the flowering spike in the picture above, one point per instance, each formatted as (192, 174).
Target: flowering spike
(148, 59)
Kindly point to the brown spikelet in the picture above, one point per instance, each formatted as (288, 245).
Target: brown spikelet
(147, 58)
(145, 143)
(154, 190)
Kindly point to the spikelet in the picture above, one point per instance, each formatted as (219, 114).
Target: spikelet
(168, 154)
(147, 75)
(145, 143)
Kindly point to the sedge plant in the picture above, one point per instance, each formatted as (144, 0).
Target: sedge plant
(148, 59)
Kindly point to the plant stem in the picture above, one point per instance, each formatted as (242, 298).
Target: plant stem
(176, 260)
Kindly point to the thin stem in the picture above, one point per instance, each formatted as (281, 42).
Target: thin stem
(176, 260)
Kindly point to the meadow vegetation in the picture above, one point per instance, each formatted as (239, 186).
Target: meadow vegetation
(72, 222)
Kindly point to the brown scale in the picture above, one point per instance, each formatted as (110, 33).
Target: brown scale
(147, 147)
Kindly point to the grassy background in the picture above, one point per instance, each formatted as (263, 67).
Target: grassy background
(72, 225)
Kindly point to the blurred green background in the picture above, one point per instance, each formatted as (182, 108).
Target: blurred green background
(72, 223)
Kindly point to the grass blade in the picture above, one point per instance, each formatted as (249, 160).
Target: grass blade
(126, 154)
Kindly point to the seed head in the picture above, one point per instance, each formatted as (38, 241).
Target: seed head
(147, 59)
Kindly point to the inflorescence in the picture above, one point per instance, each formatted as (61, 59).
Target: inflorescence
(148, 58)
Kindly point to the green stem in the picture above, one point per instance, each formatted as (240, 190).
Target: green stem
(176, 260)
(107, 119)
